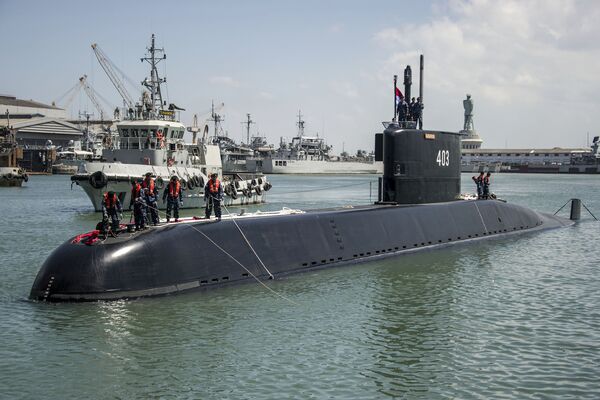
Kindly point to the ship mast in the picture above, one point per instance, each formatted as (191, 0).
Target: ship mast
(248, 122)
(156, 103)
(300, 124)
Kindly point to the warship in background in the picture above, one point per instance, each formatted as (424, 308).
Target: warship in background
(150, 139)
(311, 155)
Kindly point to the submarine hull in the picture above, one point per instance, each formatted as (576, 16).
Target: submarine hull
(202, 254)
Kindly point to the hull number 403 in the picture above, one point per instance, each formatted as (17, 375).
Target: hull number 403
(443, 158)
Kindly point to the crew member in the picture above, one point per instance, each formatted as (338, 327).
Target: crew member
(151, 198)
(174, 197)
(479, 183)
(138, 202)
(213, 195)
(418, 112)
(412, 108)
(403, 112)
(486, 186)
(111, 207)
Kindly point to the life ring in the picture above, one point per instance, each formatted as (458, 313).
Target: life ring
(267, 186)
(159, 182)
(258, 190)
(98, 180)
(184, 184)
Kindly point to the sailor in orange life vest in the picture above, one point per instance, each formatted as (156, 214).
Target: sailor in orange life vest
(213, 194)
(138, 201)
(111, 207)
(174, 197)
(151, 198)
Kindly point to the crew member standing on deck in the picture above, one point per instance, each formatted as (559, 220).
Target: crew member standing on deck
(138, 202)
(174, 197)
(111, 207)
(486, 186)
(213, 195)
(151, 198)
(479, 183)
(418, 113)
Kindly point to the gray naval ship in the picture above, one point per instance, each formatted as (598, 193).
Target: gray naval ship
(150, 139)
(419, 208)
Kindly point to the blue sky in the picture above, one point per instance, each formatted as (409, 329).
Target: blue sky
(530, 66)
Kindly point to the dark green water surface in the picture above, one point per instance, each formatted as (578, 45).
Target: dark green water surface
(511, 318)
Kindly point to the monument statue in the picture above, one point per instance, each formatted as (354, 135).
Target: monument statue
(468, 105)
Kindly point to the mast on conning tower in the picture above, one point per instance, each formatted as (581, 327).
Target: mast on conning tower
(155, 56)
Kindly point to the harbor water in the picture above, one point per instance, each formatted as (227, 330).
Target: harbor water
(510, 318)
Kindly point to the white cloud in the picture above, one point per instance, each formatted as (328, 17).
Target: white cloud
(336, 28)
(266, 95)
(345, 89)
(535, 57)
(224, 80)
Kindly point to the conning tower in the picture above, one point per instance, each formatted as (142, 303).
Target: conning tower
(419, 166)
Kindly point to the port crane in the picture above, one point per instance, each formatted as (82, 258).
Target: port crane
(214, 117)
(111, 71)
(92, 94)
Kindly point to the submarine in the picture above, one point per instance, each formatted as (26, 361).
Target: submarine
(419, 207)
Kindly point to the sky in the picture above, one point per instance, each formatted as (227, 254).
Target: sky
(532, 67)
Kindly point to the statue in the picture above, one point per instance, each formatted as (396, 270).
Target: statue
(468, 105)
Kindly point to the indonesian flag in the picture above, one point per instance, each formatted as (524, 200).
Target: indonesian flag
(399, 96)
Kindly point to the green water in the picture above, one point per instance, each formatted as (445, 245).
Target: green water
(515, 318)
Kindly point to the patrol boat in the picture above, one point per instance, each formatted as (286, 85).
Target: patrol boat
(150, 139)
(418, 208)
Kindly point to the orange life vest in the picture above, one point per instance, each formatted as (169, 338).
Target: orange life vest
(148, 185)
(213, 187)
(135, 191)
(110, 202)
(174, 188)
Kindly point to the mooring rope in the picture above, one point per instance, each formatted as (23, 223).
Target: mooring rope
(236, 260)
(582, 203)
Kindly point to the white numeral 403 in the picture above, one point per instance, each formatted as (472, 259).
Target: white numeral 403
(443, 158)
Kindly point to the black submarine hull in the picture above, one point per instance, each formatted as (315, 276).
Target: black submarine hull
(201, 254)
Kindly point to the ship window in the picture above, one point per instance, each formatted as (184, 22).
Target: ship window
(547, 155)
(134, 133)
(143, 132)
(537, 155)
(125, 132)
(285, 163)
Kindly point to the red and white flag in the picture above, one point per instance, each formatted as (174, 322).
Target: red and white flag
(399, 96)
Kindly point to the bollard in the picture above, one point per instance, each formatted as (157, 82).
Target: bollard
(575, 209)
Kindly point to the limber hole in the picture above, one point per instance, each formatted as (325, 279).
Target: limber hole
(323, 261)
(395, 248)
(313, 263)
(439, 240)
(429, 242)
(416, 244)
(368, 253)
(339, 258)
(362, 254)
(245, 274)
(403, 247)
(377, 252)
(215, 279)
(331, 260)
(225, 278)
(203, 282)
(304, 264)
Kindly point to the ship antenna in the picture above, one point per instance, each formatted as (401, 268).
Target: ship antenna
(248, 122)
(153, 84)
(395, 99)
(300, 124)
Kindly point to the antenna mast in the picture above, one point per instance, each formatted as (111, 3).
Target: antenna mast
(300, 124)
(153, 84)
(248, 122)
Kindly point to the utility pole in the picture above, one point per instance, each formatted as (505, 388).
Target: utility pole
(248, 122)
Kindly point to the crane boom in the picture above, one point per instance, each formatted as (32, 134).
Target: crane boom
(92, 95)
(109, 67)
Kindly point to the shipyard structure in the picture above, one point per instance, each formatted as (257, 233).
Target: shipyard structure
(526, 160)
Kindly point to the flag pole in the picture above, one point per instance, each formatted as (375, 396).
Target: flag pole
(395, 91)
